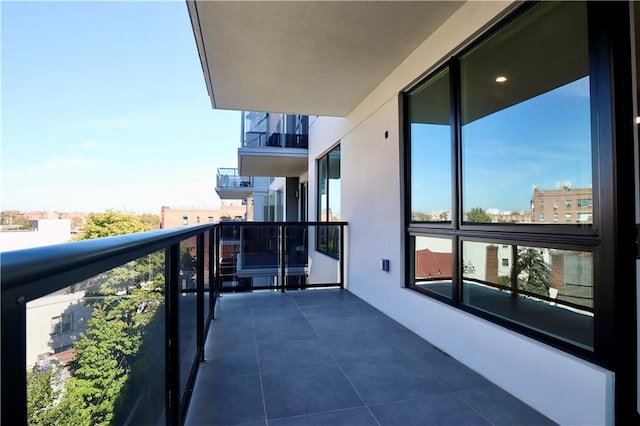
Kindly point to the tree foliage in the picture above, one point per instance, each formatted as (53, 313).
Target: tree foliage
(41, 395)
(14, 219)
(153, 220)
(478, 215)
(534, 274)
(125, 301)
(421, 217)
(112, 223)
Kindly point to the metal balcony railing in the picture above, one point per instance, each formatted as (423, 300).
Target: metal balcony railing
(229, 178)
(255, 139)
(123, 320)
(275, 256)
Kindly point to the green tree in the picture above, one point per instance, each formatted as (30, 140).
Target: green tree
(421, 217)
(153, 220)
(41, 395)
(112, 223)
(534, 274)
(478, 215)
(14, 219)
(126, 301)
(77, 222)
(99, 370)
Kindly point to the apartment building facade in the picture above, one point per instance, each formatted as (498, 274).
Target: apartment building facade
(459, 108)
(171, 217)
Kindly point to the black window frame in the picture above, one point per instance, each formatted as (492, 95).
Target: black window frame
(327, 237)
(610, 87)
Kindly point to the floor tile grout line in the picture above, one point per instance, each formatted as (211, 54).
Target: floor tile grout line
(255, 345)
(340, 367)
(353, 386)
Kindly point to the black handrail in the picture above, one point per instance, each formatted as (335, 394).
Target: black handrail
(24, 270)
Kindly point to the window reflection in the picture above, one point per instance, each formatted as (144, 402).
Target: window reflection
(431, 151)
(527, 140)
(549, 290)
(328, 201)
(433, 265)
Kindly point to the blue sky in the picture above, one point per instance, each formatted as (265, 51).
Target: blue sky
(104, 106)
(541, 141)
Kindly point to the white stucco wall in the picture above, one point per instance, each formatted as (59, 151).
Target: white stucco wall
(566, 389)
(40, 313)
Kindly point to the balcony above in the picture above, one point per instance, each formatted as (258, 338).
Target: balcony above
(279, 154)
(230, 185)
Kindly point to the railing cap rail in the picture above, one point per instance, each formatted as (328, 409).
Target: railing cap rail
(28, 265)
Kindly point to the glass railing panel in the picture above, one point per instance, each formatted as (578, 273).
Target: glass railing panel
(229, 246)
(229, 178)
(206, 277)
(255, 127)
(328, 240)
(95, 350)
(296, 255)
(258, 257)
(255, 256)
(325, 257)
(280, 140)
(187, 312)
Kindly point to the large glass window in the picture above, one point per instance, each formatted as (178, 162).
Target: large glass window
(481, 171)
(329, 202)
(525, 111)
(431, 151)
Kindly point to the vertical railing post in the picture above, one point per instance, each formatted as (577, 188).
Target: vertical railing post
(342, 256)
(283, 272)
(200, 295)
(213, 293)
(172, 347)
(14, 357)
(219, 258)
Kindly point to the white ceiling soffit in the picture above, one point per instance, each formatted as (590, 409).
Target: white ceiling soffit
(306, 57)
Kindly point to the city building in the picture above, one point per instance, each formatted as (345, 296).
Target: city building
(458, 108)
(171, 217)
(563, 204)
(55, 320)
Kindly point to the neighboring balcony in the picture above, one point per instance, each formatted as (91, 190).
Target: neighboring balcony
(230, 185)
(279, 154)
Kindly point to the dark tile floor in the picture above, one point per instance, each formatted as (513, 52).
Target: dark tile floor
(326, 358)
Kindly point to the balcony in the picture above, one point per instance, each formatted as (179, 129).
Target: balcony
(289, 344)
(113, 329)
(279, 154)
(268, 150)
(230, 185)
(325, 357)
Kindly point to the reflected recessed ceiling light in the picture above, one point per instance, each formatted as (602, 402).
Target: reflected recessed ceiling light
(501, 79)
(637, 120)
